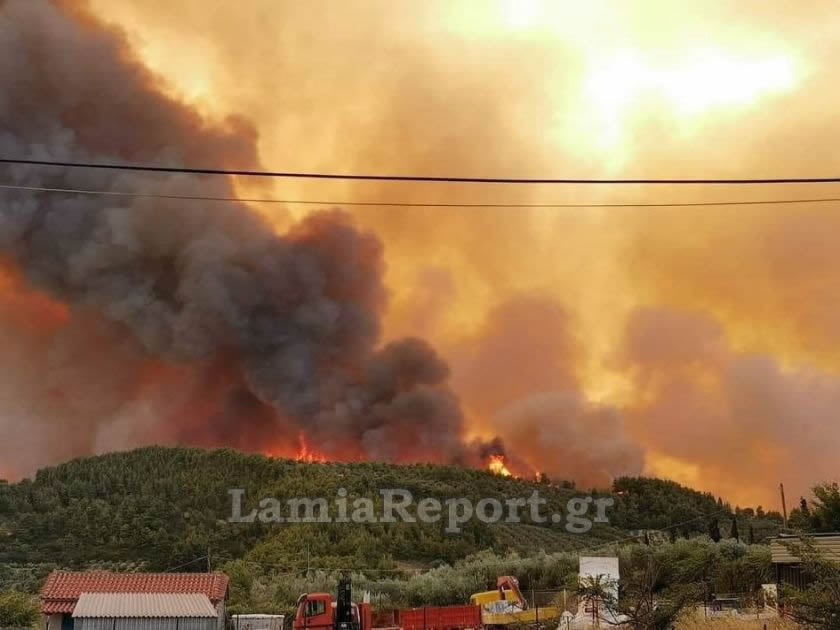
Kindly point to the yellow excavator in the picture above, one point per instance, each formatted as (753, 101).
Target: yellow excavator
(507, 605)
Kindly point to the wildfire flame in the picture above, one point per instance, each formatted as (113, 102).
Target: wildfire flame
(306, 453)
(497, 466)
(303, 453)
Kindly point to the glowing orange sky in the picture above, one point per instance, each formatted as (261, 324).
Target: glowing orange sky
(533, 88)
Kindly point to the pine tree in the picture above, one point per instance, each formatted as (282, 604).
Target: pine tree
(714, 530)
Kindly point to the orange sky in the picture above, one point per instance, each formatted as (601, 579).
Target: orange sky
(711, 331)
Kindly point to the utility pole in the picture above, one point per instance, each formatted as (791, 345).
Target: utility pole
(536, 607)
(209, 566)
(784, 505)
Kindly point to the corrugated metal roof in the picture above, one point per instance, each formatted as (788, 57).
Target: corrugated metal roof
(144, 605)
(783, 548)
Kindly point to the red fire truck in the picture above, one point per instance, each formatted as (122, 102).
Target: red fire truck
(318, 611)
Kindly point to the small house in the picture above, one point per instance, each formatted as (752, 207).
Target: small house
(103, 600)
(788, 567)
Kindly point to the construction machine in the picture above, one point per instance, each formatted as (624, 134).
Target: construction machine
(507, 605)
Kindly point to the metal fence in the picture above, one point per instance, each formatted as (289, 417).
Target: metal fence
(561, 599)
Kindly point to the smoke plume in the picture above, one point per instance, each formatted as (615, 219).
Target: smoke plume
(137, 320)
(740, 417)
(696, 343)
(519, 370)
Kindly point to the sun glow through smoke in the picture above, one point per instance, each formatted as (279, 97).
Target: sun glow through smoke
(520, 13)
(689, 85)
(586, 80)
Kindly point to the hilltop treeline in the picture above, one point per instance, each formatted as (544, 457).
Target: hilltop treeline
(156, 508)
(165, 507)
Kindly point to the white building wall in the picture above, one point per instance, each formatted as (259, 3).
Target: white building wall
(50, 622)
(221, 613)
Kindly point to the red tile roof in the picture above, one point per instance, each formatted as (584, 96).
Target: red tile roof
(58, 607)
(62, 588)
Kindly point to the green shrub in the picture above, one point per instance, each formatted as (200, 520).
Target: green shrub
(17, 609)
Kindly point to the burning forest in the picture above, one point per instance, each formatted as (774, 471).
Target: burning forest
(163, 321)
(310, 319)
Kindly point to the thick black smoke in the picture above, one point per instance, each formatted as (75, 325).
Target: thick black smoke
(283, 329)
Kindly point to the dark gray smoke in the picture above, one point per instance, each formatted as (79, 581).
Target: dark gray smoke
(277, 332)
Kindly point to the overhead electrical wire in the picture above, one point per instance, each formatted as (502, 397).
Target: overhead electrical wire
(186, 564)
(413, 178)
(411, 204)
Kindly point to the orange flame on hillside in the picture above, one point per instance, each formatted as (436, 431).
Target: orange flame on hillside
(497, 466)
(306, 453)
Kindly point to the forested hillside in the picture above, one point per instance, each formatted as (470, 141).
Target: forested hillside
(159, 508)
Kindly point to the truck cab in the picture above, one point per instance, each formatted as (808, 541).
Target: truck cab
(317, 611)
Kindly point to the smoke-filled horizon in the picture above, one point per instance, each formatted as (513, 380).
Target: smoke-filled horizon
(693, 343)
(184, 323)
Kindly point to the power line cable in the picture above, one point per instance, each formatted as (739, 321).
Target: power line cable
(186, 564)
(408, 204)
(412, 178)
(662, 529)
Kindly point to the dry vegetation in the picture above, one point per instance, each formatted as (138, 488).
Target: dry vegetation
(700, 622)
